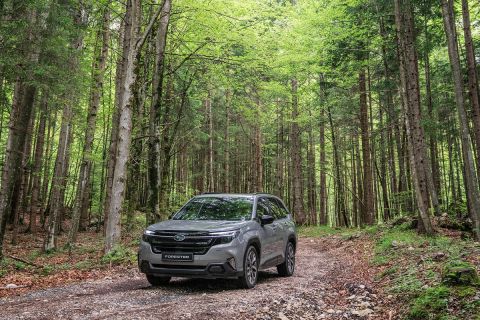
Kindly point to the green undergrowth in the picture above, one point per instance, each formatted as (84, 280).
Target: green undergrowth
(120, 254)
(432, 276)
(85, 255)
(323, 231)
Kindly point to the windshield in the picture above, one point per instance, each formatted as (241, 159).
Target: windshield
(216, 208)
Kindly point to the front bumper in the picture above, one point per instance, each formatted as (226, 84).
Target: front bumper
(213, 264)
(213, 270)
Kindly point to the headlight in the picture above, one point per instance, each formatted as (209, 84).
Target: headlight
(147, 234)
(225, 236)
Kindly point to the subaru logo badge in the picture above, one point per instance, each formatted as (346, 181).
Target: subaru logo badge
(179, 237)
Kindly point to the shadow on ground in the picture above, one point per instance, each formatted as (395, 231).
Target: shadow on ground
(195, 286)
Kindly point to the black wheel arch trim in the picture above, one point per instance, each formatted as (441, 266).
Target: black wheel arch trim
(292, 238)
(256, 243)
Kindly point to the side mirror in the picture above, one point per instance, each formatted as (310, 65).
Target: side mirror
(266, 219)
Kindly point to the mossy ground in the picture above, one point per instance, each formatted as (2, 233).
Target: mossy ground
(416, 268)
(412, 270)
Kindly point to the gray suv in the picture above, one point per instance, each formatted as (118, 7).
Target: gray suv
(221, 236)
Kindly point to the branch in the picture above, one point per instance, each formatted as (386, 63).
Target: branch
(24, 261)
(147, 31)
(188, 57)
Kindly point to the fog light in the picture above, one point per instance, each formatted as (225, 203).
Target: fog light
(231, 262)
(216, 269)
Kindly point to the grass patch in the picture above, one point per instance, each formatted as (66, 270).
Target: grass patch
(397, 238)
(119, 254)
(388, 272)
(47, 270)
(465, 292)
(416, 270)
(84, 265)
(322, 231)
(380, 260)
(20, 266)
(34, 254)
(430, 305)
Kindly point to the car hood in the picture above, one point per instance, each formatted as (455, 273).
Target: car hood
(197, 225)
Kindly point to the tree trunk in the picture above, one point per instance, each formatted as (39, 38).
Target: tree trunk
(368, 213)
(19, 119)
(435, 183)
(154, 151)
(472, 78)
(124, 42)
(340, 208)
(22, 107)
(21, 188)
(226, 142)
(311, 182)
(59, 179)
(323, 175)
(471, 182)
(411, 98)
(382, 173)
(208, 107)
(296, 158)
(36, 204)
(280, 150)
(123, 139)
(132, 18)
(257, 145)
(82, 198)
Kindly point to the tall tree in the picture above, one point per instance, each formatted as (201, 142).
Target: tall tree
(59, 180)
(22, 106)
(411, 98)
(156, 115)
(296, 158)
(82, 198)
(471, 182)
(472, 77)
(133, 15)
(368, 213)
(36, 201)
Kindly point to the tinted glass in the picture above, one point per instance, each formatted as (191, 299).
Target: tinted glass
(278, 209)
(262, 207)
(216, 208)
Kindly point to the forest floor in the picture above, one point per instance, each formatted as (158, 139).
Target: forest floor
(340, 274)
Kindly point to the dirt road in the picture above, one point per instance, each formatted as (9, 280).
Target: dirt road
(332, 281)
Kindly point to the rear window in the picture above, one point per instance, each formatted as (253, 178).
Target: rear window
(217, 208)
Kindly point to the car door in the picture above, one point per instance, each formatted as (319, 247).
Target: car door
(267, 233)
(279, 226)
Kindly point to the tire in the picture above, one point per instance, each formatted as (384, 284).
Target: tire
(250, 268)
(287, 268)
(157, 281)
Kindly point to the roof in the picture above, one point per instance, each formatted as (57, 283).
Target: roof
(222, 194)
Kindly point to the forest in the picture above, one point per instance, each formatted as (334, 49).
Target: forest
(355, 112)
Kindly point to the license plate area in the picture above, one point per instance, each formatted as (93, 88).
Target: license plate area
(178, 257)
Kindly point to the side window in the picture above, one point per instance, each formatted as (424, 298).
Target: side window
(262, 207)
(278, 209)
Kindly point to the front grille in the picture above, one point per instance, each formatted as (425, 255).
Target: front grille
(195, 242)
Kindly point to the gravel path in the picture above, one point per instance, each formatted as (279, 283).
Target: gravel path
(332, 281)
